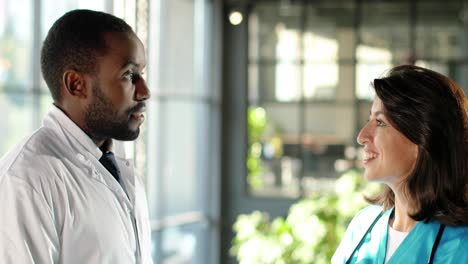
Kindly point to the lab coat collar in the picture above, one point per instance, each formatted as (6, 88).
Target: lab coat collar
(64, 121)
(57, 118)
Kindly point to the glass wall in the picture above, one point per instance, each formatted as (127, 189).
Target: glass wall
(310, 66)
(177, 153)
(16, 84)
(183, 132)
(24, 97)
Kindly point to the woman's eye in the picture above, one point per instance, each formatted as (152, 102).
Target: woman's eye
(380, 122)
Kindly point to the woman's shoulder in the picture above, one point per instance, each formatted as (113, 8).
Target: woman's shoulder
(363, 219)
(453, 245)
(368, 213)
(459, 232)
(356, 229)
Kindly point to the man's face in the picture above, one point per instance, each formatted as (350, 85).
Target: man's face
(119, 91)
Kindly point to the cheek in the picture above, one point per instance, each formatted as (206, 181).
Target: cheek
(404, 154)
(121, 101)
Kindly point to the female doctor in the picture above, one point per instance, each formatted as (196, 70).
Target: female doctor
(415, 142)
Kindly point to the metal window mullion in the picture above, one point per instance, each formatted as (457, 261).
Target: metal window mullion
(412, 30)
(141, 27)
(109, 6)
(35, 65)
(302, 102)
(358, 40)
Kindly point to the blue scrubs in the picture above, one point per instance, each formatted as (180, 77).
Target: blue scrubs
(365, 241)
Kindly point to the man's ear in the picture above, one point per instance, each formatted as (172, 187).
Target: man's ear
(75, 84)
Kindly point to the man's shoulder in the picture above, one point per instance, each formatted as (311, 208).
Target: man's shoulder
(32, 153)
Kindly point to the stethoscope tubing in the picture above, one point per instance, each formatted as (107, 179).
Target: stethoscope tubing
(433, 250)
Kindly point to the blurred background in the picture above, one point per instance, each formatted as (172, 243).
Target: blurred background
(255, 108)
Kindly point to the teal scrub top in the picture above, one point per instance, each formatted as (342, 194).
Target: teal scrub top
(415, 248)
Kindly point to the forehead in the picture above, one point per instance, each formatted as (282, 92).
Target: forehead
(377, 106)
(122, 48)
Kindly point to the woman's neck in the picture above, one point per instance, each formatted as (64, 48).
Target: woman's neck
(401, 221)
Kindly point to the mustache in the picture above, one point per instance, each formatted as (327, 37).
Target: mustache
(137, 108)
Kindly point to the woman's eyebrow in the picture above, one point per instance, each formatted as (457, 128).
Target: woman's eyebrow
(376, 113)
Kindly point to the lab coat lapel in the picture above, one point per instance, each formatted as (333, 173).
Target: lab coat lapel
(128, 178)
(101, 175)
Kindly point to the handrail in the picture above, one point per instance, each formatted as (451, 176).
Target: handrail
(180, 219)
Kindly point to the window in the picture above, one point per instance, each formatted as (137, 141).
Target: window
(183, 128)
(299, 56)
(177, 153)
(23, 93)
(310, 67)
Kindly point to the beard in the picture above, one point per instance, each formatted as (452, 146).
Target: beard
(103, 122)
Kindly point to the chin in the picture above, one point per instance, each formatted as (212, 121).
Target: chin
(128, 135)
(369, 176)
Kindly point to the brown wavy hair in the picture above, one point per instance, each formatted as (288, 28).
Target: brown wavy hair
(431, 111)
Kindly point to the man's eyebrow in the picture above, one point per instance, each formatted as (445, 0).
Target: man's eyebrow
(131, 63)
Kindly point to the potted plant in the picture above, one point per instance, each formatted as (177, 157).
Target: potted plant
(309, 233)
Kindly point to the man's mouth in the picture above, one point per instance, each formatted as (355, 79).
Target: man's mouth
(139, 116)
(138, 112)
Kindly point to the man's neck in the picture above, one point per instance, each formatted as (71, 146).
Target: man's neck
(105, 145)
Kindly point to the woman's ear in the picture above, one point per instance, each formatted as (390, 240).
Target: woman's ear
(75, 84)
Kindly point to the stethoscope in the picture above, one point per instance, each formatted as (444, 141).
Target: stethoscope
(433, 250)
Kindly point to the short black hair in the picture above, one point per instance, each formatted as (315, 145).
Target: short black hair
(73, 43)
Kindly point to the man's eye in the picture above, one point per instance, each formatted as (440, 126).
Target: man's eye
(131, 76)
(128, 76)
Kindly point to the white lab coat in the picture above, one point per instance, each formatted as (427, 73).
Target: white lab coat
(58, 204)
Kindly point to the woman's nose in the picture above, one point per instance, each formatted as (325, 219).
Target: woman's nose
(364, 135)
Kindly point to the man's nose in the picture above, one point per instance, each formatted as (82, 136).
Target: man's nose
(142, 91)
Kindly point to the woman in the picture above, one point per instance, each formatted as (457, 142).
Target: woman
(415, 142)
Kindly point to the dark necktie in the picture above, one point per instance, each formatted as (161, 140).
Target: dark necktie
(109, 162)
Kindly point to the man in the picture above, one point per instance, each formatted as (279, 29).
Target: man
(67, 193)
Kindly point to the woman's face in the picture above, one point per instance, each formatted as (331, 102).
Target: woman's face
(389, 156)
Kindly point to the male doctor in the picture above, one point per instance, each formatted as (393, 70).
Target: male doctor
(67, 192)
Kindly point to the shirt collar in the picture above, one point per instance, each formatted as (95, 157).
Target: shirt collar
(75, 131)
